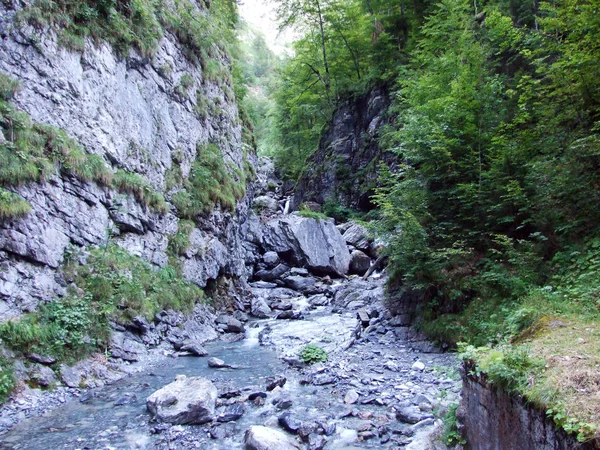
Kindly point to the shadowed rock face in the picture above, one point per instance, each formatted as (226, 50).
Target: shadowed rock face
(344, 167)
(318, 245)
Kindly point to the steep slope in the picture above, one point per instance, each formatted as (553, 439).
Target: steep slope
(344, 167)
(163, 126)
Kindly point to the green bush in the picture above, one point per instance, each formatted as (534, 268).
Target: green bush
(7, 379)
(451, 436)
(312, 354)
(305, 212)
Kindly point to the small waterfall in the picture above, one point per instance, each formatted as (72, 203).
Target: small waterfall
(286, 210)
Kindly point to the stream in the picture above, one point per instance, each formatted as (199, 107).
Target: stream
(381, 364)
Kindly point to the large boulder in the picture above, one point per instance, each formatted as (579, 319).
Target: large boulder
(185, 401)
(359, 263)
(259, 308)
(357, 236)
(316, 244)
(265, 438)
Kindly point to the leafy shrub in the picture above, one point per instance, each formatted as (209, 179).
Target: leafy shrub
(7, 379)
(311, 354)
(451, 436)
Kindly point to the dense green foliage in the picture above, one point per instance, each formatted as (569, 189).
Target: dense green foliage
(491, 212)
(113, 285)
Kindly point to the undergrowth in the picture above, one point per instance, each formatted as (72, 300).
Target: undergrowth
(132, 183)
(312, 354)
(113, 285)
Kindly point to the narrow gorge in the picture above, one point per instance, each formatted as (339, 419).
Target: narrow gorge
(205, 244)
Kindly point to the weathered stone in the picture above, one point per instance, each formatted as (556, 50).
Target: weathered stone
(273, 274)
(194, 348)
(259, 308)
(42, 359)
(264, 438)
(271, 259)
(277, 382)
(289, 423)
(317, 245)
(70, 377)
(185, 401)
(411, 414)
(351, 397)
(43, 375)
(234, 326)
(126, 347)
(232, 413)
(418, 365)
(217, 363)
(357, 236)
(300, 284)
(359, 263)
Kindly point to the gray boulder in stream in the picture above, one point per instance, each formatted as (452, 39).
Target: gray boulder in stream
(265, 438)
(185, 401)
(316, 244)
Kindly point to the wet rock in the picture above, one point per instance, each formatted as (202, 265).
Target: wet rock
(42, 359)
(240, 315)
(185, 401)
(271, 259)
(232, 413)
(285, 315)
(359, 263)
(265, 438)
(319, 300)
(306, 429)
(273, 274)
(194, 348)
(299, 271)
(351, 397)
(263, 285)
(411, 414)
(284, 403)
(139, 325)
(126, 399)
(234, 326)
(256, 395)
(260, 309)
(69, 376)
(230, 394)
(300, 284)
(217, 363)
(317, 245)
(277, 382)
(289, 423)
(283, 305)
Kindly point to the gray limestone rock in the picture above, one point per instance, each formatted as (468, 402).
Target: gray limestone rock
(317, 245)
(359, 263)
(266, 438)
(185, 401)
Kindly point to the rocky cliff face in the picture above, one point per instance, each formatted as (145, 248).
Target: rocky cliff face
(140, 115)
(344, 167)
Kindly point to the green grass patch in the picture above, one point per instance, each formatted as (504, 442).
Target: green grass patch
(211, 183)
(124, 24)
(112, 286)
(12, 205)
(180, 241)
(309, 214)
(34, 152)
(132, 183)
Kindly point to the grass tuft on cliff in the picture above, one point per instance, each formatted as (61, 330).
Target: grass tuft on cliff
(211, 183)
(12, 205)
